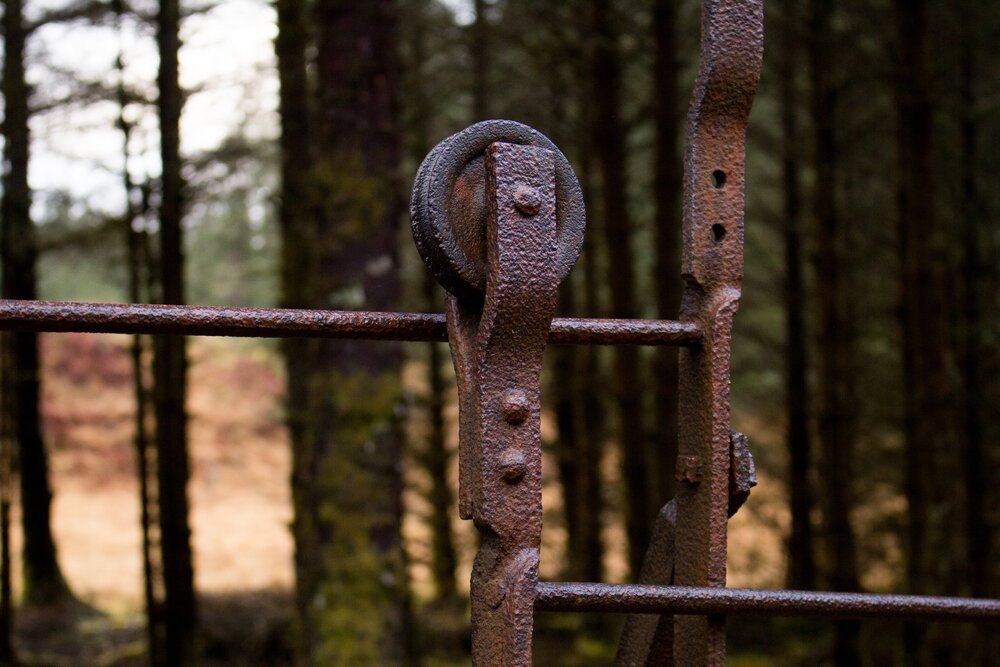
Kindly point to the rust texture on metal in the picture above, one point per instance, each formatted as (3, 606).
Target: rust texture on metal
(448, 205)
(690, 600)
(498, 328)
(712, 268)
(286, 323)
(649, 640)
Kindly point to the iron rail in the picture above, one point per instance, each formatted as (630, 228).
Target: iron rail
(288, 323)
(636, 599)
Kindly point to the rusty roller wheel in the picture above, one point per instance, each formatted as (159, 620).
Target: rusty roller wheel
(448, 205)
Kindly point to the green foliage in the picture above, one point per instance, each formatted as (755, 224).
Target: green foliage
(232, 240)
(344, 193)
(231, 236)
(83, 253)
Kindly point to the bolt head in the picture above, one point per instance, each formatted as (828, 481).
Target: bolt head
(527, 200)
(513, 465)
(514, 405)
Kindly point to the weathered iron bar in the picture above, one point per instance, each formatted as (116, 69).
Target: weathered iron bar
(286, 323)
(635, 599)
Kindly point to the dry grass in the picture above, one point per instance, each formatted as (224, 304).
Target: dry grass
(240, 497)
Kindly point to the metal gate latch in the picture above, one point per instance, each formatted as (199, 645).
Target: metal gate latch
(498, 216)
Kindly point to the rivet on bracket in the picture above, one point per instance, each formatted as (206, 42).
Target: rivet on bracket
(527, 200)
(514, 406)
(514, 465)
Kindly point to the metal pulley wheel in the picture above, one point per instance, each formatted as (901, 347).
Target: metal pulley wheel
(448, 205)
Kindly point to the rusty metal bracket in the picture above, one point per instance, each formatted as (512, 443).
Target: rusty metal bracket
(648, 641)
(448, 207)
(497, 340)
(712, 267)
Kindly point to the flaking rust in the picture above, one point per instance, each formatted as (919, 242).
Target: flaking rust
(712, 268)
(648, 640)
(651, 599)
(497, 343)
(497, 215)
(145, 318)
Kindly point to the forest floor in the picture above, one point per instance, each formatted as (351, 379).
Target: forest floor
(240, 516)
(239, 492)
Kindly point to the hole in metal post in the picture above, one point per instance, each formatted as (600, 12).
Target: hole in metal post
(718, 178)
(718, 232)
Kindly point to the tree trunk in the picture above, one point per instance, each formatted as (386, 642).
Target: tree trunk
(973, 351)
(610, 143)
(480, 62)
(145, 458)
(144, 446)
(437, 459)
(344, 406)
(973, 277)
(590, 494)
(8, 658)
(834, 341)
(297, 218)
(570, 455)
(43, 580)
(929, 395)
(590, 399)
(297, 214)
(575, 449)
(663, 441)
(801, 563)
(170, 366)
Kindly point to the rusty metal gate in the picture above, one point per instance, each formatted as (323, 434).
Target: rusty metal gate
(498, 217)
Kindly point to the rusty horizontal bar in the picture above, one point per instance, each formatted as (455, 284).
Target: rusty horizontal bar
(636, 599)
(286, 323)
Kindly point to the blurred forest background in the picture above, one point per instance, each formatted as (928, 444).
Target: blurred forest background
(217, 501)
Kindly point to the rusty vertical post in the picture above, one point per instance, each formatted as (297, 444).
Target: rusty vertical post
(712, 267)
(497, 215)
(497, 344)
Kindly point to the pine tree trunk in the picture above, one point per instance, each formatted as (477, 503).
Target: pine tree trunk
(297, 217)
(663, 443)
(571, 457)
(344, 406)
(801, 561)
(170, 366)
(929, 395)
(973, 352)
(973, 277)
(610, 143)
(834, 330)
(575, 449)
(144, 446)
(8, 657)
(590, 401)
(480, 62)
(43, 580)
(437, 458)
(297, 213)
(299, 227)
